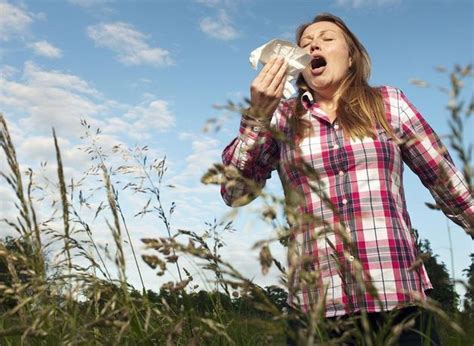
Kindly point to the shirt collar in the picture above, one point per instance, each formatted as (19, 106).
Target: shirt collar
(310, 105)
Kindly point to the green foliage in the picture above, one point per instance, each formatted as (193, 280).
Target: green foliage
(467, 315)
(13, 267)
(443, 287)
(469, 297)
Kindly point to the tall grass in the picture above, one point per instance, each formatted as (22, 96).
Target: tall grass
(76, 297)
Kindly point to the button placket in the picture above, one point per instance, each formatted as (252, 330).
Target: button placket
(336, 137)
(343, 169)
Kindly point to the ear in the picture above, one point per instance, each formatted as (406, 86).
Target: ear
(350, 62)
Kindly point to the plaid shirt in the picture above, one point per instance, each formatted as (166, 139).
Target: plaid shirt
(364, 181)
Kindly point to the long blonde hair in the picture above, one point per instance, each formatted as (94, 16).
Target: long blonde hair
(360, 106)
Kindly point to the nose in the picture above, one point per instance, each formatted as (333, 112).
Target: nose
(314, 45)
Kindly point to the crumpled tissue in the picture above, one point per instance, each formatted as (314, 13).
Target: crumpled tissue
(296, 57)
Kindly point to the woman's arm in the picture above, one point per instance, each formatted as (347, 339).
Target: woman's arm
(250, 158)
(426, 155)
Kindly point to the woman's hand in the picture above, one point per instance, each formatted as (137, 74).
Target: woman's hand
(266, 90)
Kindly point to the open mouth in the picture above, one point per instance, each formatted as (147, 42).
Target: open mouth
(318, 62)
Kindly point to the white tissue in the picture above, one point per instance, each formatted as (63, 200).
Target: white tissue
(296, 57)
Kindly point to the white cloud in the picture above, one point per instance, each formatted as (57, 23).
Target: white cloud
(7, 71)
(44, 48)
(41, 99)
(40, 78)
(153, 115)
(220, 27)
(14, 21)
(239, 251)
(89, 3)
(96, 7)
(205, 152)
(129, 44)
(8, 209)
(195, 201)
(209, 2)
(228, 4)
(35, 149)
(49, 98)
(40, 148)
(365, 3)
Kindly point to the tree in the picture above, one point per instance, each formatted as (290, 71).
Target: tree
(277, 295)
(14, 254)
(18, 251)
(443, 287)
(469, 296)
(467, 315)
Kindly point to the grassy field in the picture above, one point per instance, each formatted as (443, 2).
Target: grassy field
(59, 286)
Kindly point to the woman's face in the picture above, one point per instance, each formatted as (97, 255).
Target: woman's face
(326, 43)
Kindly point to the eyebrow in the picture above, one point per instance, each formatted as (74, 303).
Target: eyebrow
(320, 34)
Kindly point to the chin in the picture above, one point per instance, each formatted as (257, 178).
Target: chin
(318, 86)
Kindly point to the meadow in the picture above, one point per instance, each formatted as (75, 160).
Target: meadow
(58, 286)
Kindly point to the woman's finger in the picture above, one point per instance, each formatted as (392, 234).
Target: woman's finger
(279, 76)
(265, 69)
(280, 87)
(271, 73)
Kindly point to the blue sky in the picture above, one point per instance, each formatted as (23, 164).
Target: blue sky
(149, 73)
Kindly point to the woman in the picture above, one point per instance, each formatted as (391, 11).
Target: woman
(339, 149)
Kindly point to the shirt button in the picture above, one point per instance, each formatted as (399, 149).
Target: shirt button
(341, 173)
(344, 201)
(335, 146)
(336, 127)
(351, 258)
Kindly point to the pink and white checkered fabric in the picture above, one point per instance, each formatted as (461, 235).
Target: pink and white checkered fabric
(364, 181)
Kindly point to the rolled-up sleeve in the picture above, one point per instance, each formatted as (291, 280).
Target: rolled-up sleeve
(252, 155)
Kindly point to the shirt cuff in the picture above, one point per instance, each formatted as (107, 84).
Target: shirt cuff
(251, 129)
